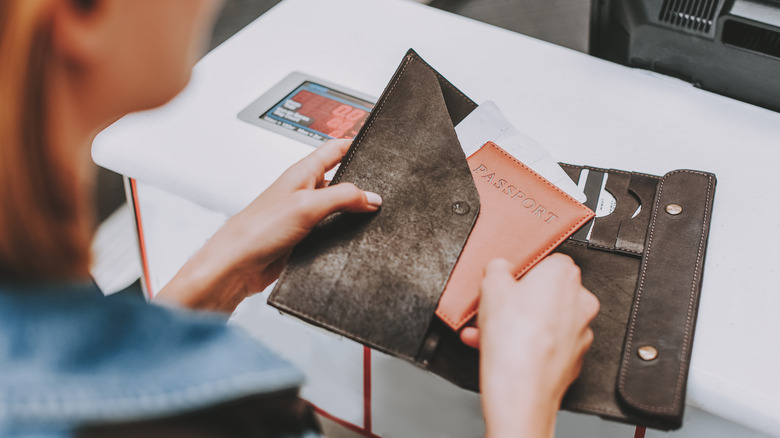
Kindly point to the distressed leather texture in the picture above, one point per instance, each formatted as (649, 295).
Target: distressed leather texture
(523, 217)
(377, 278)
(646, 300)
(671, 272)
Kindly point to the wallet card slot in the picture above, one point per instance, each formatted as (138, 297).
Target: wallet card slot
(657, 351)
(605, 229)
(633, 231)
(620, 230)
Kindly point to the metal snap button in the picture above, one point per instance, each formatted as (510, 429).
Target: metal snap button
(647, 353)
(460, 207)
(674, 209)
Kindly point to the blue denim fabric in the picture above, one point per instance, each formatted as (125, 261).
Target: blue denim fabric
(70, 356)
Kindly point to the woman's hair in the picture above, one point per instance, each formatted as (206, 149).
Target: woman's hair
(45, 214)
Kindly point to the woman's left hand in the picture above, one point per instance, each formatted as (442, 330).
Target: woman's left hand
(248, 252)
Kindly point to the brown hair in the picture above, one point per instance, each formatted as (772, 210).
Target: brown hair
(45, 214)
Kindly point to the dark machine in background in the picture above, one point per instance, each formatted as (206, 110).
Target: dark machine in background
(730, 47)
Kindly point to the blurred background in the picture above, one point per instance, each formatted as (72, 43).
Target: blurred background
(563, 22)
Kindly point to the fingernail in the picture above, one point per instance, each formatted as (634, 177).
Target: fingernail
(373, 199)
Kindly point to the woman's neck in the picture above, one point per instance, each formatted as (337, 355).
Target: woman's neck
(72, 121)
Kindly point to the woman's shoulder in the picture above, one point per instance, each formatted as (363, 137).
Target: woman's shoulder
(70, 355)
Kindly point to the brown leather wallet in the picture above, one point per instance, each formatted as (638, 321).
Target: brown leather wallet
(378, 278)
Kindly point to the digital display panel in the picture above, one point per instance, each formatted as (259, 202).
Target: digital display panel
(319, 112)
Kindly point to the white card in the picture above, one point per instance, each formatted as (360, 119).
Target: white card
(487, 123)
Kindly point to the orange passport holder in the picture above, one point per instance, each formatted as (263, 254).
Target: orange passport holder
(522, 218)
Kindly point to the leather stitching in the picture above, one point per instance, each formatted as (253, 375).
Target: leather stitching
(608, 171)
(599, 169)
(452, 87)
(691, 302)
(452, 321)
(576, 242)
(595, 245)
(358, 141)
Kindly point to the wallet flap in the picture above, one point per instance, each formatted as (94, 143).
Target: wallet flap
(656, 356)
(377, 278)
(458, 104)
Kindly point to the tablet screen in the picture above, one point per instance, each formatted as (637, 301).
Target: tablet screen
(319, 112)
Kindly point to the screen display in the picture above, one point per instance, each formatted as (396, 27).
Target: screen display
(320, 112)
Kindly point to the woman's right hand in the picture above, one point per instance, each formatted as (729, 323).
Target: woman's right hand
(249, 251)
(532, 334)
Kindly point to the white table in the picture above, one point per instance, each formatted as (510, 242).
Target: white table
(584, 110)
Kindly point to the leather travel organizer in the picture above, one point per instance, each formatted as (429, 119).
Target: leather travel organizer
(378, 278)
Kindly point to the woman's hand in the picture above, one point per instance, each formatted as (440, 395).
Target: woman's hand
(532, 336)
(248, 252)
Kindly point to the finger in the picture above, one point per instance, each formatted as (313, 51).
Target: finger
(327, 156)
(590, 304)
(498, 274)
(559, 258)
(575, 370)
(560, 263)
(495, 287)
(587, 340)
(498, 268)
(584, 342)
(319, 204)
(470, 336)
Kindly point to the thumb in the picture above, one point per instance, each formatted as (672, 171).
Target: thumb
(340, 197)
(470, 336)
(498, 275)
(496, 286)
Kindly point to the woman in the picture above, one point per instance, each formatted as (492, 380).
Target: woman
(74, 362)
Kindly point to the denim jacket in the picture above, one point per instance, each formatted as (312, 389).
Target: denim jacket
(70, 356)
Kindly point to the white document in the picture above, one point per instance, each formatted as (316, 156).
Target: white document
(487, 123)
